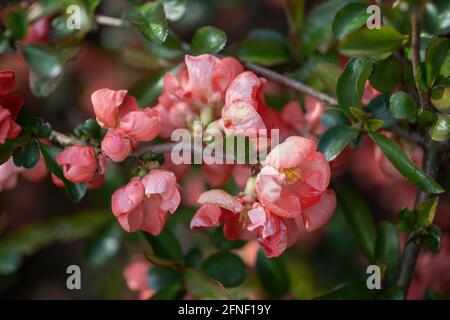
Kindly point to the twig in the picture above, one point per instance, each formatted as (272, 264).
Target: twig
(432, 154)
(109, 21)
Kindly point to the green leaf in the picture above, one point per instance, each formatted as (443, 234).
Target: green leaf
(219, 241)
(42, 86)
(75, 191)
(350, 18)
(335, 139)
(200, 286)
(402, 106)
(170, 49)
(359, 219)
(436, 55)
(406, 220)
(165, 245)
(376, 44)
(351, 291)
(404, 165)
(174, 9)
(160, 262)
(27, 156)
(426, 212)
(350, 85)
(440, 130)
(149, 19)
(43, 60)
(169, 293)
(226, 267)
(378, 107)
(161, 278)
(317, 29)
(273, 275)
(333, 117)
(103, 244)
(440, 97)
(386, 74)
(264, 52)
(387, 250)
(148, 88)
(17, 23)
(208, 40)
(328, 73)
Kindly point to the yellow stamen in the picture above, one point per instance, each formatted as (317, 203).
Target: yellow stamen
(292, 175)
(244, 219)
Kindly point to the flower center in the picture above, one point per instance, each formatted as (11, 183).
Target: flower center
(292, 175)
(244, 220)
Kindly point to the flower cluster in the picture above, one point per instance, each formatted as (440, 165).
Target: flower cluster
(291, 193)
(10, 106)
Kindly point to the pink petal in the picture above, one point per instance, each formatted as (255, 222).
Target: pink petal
(318, 215)
(127, 197)
(292, 152)
(154, 218)
(207, 216)
(132, 220)
(222, 199)
(106, 104)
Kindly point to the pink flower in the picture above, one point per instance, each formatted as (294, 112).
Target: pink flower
(10, 106)
(8, 175)
(216, 175)
(142, 204)
(219, 207)
(294, 178)
(116, 145)
(203, 80)
(136, 277)
(244, 100)
(141, 125)
(305, 123)
(79, 163)
(110, 106)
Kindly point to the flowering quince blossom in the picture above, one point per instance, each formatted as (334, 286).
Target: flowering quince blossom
(79, 163)
(136, 277)
(305, 123)
(142, 204)
(291, 194)
(295, 177)
(127, 124)
(10, 106)
(9, 173)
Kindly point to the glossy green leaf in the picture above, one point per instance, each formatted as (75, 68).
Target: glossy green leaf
(404, 165)
(402, 106)
(148, 88)
(43, 60)
(328, 73)
(335, 139)
(376, 44)
(169, 293)
(42, 86)
(174, 9)
(386, 74)
(149, 19)
(200, 286)
(208, 40)
(350, 18)
(75, 191)
(440, 130)
(440, 97)
(378, 107)
(435, 57)
(359, 218)
(267, 53)
(27, 156)
(350, 85)
(226, 267)
(426, 212)
(17, 23)
(161, 278)
(387, 250)
(273, 275)
(333, 117)
(165, 245)
(170, 49)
